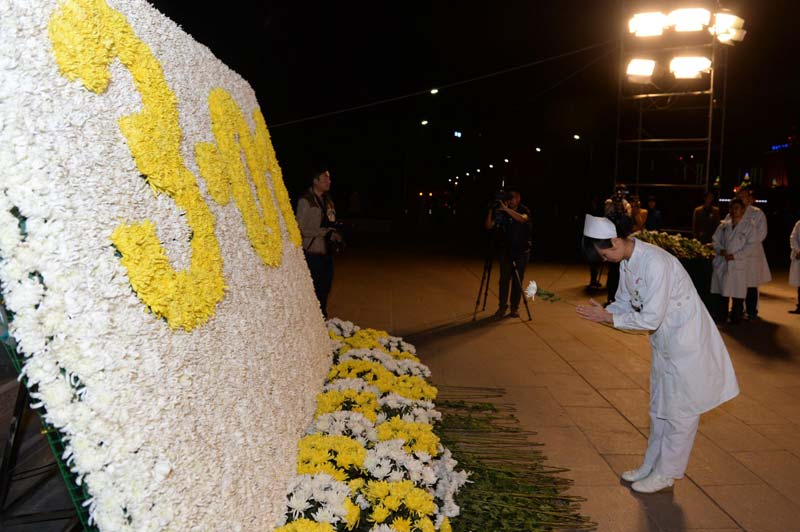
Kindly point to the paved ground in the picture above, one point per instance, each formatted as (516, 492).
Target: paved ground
(584, 388)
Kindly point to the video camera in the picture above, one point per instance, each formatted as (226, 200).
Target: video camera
(501, 219)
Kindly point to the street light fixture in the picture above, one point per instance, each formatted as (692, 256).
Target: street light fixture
(505, 160)
(576, 136)
(424, 122)
(538, 149)
(689, 67)
(491, 166)
(434, 91)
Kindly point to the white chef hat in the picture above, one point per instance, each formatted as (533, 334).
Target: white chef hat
(599, 228)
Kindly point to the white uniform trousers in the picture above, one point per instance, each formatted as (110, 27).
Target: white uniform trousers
(670, 444)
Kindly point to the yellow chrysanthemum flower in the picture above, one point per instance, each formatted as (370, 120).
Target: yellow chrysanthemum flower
(334, 455)
(365, 403)
(424, 525)
(401, 524)
(353, 514)
(420, 502)
(356, 485)
(379, 513)
(414, 388)
(306, 525)
(446, 526)
(418, 436)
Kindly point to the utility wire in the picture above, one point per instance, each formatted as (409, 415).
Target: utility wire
(449, 85)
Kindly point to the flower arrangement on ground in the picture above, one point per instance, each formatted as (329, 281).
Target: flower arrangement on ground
(373, 437)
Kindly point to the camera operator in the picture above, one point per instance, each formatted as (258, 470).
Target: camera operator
(316, 217)
(511, 222)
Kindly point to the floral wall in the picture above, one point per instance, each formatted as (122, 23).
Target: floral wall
(150, 262)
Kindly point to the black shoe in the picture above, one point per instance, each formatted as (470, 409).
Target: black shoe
(514, 313)
(500, 312)
(795, 311)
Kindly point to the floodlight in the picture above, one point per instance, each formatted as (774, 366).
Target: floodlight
(420, 193)
(424, 122)
(725, 22)
(538, 149)
(689, 67)
(641, 67)
(430, 194)
(728, 28)
(691, 19)
(648, 24)
(505, 160)
(576, 136)
(434, 91)
(491, 166)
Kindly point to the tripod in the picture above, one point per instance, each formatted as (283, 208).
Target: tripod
(487, 275)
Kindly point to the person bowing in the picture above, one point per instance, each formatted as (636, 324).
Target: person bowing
(690, 369)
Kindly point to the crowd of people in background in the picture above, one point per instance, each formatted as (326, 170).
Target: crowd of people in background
(740, 265)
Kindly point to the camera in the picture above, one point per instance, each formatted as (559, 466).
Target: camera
(333, 246)
(501, 219)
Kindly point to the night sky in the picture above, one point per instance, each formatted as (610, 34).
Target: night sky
(307, 58)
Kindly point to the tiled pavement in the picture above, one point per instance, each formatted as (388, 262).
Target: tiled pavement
(583, 388)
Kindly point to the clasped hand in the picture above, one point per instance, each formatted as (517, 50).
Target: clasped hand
(594, 311)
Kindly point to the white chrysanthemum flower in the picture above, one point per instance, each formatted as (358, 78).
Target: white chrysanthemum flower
(382, 528)
(342, 328)
(298, 504)
(530, 291)
(359, 385)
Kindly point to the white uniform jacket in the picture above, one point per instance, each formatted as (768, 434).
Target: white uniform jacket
(794, 267)
(690, 369)
(757, 267)
(730, 277)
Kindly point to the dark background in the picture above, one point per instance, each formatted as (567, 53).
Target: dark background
(309, 58)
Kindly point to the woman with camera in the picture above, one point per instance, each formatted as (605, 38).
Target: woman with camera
(316, 217)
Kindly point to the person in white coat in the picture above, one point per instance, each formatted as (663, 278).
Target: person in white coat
(731, 240)
(690, 370)
(794, 267)
(757, 267)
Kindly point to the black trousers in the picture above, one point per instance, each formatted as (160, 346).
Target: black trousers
(321, 268)
(612, 279)
(721, 308)
(507, 278)
(751, 301)
(594, 273)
